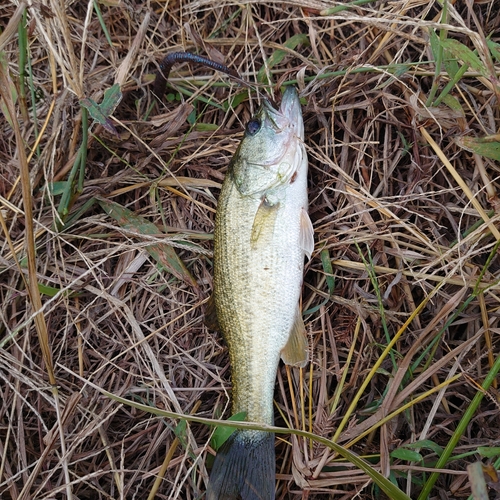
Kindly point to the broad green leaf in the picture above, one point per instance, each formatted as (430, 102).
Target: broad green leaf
(494, 49)
(450, 65)
(48, 290)
(408, 455)
(180, 431)
(483, 147)
(489, 451)
(205, 127)
(328, 269)
(426, 444)
(222, 433)
(163, 253)
(453, 103)
(191, 119)
(460, 51)
(111, 99)
(57, 188)
(236, 100)
(434, 43)
(279, 55)
(101, 112)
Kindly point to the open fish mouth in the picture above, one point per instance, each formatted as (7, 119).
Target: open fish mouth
(290, 104)
(289, 113)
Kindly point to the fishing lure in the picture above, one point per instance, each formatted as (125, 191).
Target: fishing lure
(160, 84)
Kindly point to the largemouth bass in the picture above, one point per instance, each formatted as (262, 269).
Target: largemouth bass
(262, 233)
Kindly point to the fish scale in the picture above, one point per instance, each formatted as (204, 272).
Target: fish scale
(262, 233)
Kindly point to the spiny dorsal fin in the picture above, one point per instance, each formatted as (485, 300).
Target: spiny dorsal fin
(296, 351)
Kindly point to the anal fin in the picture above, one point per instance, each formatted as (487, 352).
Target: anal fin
(296, 351)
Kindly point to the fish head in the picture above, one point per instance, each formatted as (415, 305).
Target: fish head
(272, 148)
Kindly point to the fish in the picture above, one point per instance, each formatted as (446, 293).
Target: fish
(262, 235)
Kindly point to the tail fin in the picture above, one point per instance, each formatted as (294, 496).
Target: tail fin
(245, 466)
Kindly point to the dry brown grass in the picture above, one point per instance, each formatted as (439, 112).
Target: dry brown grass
(377, 190)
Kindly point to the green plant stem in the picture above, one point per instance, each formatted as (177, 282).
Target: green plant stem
(23, 56)
(373, 278)
(102, 23)
(84, 146)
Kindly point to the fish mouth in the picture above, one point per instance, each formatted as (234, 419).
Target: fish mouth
(289, 113)
(290, 104)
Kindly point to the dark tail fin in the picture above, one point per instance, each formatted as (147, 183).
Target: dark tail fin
(245, 466)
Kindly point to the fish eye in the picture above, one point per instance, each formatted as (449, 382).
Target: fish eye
(253, 126)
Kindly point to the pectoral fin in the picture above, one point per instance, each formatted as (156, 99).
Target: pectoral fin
(263, 223)
(306, 233)
(296, 351)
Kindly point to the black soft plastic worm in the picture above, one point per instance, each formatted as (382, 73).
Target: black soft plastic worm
(160, 84)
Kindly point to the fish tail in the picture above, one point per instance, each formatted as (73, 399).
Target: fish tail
(245, 466)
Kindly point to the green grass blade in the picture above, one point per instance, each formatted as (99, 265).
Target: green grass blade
(23, 58)
(102, 23)
(437, 49)
(84, 147)
(69, 190)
